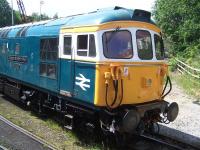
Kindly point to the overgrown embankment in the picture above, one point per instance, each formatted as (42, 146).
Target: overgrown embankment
(190, 85)
(180, 24)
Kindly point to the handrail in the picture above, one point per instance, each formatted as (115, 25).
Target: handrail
(198, 70)
(185, 68)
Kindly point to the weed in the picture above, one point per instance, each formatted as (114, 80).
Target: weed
(190, 85)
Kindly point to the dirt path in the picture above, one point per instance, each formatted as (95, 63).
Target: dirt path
(188, 120)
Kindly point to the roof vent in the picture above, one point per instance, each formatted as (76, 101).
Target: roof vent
(118, 7)
(141, 15)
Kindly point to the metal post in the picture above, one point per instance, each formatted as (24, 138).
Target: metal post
(12, 13)
(41, 3)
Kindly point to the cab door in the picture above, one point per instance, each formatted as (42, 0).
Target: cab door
(66, 64)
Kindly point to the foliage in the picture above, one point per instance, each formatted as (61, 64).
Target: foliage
(190, 85)
(55, 16)
(17, 17)
(36, 17)
(180, 22)
(172, 64)
(192, 55)
(5, 13)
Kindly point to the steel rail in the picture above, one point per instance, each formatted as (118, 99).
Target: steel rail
(3, 148)
(27, 133)
(165, 142)
(151, 139)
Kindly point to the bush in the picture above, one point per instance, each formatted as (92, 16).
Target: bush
(172, 64)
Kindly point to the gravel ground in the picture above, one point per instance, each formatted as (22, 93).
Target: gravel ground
(187, 124)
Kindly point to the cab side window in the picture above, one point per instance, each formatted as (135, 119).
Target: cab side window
(86, 45)
(159, 48)
(144, 45)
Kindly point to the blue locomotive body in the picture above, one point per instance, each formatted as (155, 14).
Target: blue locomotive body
(106, 65)
(21, 60)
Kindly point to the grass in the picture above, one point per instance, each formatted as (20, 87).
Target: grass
(190, 85)
(47, 129)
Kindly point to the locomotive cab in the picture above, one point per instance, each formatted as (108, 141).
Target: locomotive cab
(132, 76)
(119, 67)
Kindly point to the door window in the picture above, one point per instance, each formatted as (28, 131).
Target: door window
(67, 45)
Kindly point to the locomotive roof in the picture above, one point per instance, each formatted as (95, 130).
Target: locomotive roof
(52, 27)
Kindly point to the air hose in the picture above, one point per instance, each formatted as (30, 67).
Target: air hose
(116, 88)
(115, 85)
(168, 80)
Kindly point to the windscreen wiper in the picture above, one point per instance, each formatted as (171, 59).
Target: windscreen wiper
(113, 34)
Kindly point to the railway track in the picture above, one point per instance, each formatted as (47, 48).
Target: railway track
(144, 142)
(159, 142)
(16, 137)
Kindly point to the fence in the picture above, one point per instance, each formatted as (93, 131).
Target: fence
(184, 68)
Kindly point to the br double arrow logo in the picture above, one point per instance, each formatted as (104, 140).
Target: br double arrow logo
(82, 82)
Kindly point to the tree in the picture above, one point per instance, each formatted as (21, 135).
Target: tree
(5, 13)
(180, 22)
(37, 17)
(44, 17)
(17, 17)
(55, 16)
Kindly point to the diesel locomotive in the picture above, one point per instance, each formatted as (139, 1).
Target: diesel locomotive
(107, 66)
